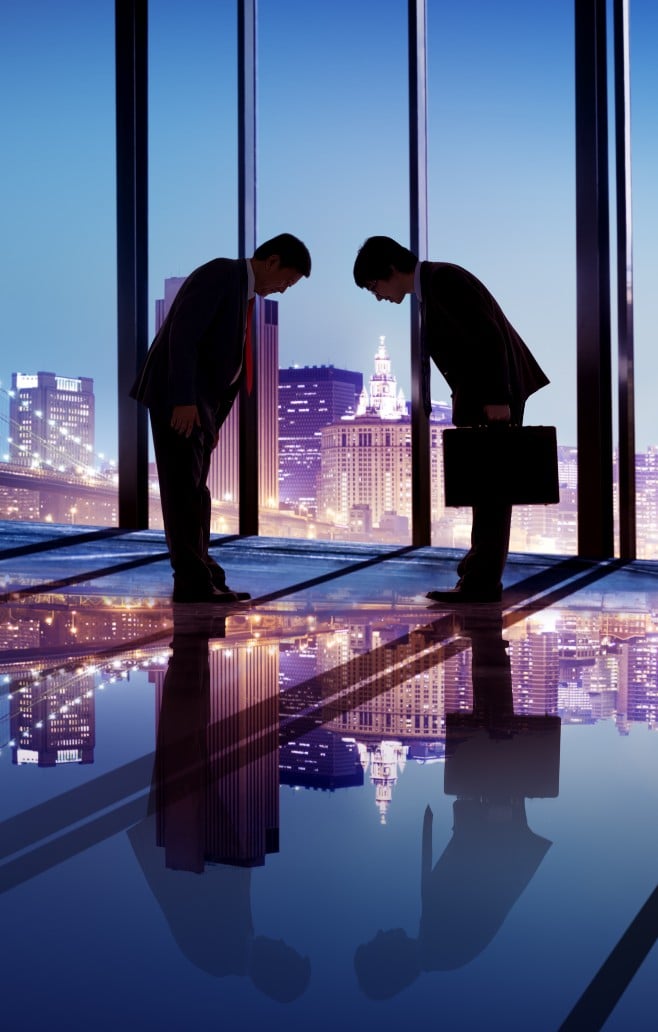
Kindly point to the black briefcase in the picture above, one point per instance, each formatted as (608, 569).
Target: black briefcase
(516, 465)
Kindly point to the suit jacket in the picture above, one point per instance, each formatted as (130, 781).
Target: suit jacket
(196, 356)
(474, 345)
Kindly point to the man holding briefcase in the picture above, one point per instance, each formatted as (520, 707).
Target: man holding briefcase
(489, 370)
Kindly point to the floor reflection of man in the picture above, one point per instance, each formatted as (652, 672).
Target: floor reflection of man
(494, 761)
(198, 812)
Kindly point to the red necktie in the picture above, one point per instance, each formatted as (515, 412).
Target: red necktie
(248, 354)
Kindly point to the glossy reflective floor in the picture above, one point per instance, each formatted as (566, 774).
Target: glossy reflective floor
(334, 807)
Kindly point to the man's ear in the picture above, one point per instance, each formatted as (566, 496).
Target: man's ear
(273, 261)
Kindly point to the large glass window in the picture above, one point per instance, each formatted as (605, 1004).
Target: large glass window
(58, 264)
(193, 195)
(501, 204)
(333, 169)
(644, 90)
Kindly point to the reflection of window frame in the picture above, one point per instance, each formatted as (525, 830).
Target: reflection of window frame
(594, 398)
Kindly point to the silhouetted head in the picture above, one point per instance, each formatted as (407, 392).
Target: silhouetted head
(291, 252)
(387, 964)
(379, 257)
(278, 970)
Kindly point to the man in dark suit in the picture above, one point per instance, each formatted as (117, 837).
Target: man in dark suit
(489, 370)
(189, 381)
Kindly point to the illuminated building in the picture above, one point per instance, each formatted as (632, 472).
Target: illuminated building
(52, 721)
(387, 761)
(321, 760)
(638, 679)
(229, 810)
(383, 398)
(366, 475)
(51, 421)
(646, 473)
(310, 398)
(365, 462)
(535, 673)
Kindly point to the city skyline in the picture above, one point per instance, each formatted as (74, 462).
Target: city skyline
(359, 441)
(403, 703)
(501, 174)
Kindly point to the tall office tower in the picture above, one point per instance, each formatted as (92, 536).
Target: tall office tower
(52, 721)
(365, 476)
(268, 428)
(224, 476)
(365, 462)
(638, 677)
(310, 398)
(162, 304)
(243, 744)
(51, 421)
(535, 666)
(646, 472)
(217, 756)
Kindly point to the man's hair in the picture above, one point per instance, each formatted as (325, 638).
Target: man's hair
(293, 254)
(378, 257)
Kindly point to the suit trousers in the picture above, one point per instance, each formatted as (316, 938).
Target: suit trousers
(482, 567)
(183, 464)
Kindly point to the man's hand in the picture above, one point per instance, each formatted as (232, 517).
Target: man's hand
(497, 413)
(184, 418)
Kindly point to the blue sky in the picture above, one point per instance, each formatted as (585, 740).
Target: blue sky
(332, 168)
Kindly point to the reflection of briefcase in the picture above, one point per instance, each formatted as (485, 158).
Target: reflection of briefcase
(512, 464)
(515, 757)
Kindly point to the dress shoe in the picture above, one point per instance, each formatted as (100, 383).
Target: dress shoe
(206, 595)
(241, 596)
(217, 576)
(465, 596)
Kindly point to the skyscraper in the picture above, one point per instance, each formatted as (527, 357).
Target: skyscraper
(51, 420)
(310, 398)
